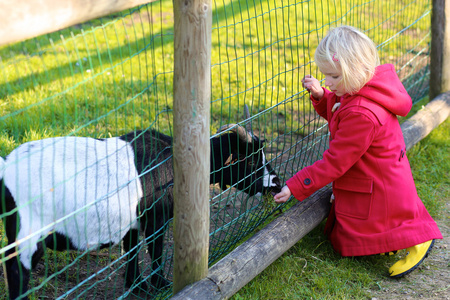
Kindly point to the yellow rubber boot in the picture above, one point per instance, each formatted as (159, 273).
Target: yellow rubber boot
(389, 253)
(414, 258)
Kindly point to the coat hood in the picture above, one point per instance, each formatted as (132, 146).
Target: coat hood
(386, 89)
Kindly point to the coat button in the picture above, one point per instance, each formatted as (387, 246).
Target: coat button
(307, 181)
(402, 154)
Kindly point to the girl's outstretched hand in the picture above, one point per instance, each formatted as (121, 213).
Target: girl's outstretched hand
(313, 86)
(283, 196)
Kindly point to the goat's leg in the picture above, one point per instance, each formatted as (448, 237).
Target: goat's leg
(132, 273)
(155, 250)
(58, 242)
(17, 275)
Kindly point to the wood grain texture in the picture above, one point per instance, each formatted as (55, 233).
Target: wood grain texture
(440, 48)
(425, 120)
(191, 147)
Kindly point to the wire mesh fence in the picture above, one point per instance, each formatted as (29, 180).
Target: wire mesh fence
(111, 76)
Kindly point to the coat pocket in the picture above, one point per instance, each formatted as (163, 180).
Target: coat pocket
(353, 196)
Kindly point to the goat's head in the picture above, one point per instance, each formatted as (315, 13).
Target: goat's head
(245, 164)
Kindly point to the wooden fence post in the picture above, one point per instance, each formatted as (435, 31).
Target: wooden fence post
(440, 48)
(191, 147)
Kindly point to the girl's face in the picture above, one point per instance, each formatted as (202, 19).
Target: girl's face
(332, 79)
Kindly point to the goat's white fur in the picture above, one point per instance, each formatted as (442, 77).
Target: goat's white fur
(54, 177)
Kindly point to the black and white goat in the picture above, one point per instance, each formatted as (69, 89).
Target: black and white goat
(82, 193)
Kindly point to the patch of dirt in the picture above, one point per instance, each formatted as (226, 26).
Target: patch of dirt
(432, 278)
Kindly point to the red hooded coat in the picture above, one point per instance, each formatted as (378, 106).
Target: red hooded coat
(376, 207)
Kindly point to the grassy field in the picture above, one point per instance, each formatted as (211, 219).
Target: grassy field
(113, 75)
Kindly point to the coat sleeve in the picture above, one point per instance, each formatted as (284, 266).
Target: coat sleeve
(352, 139)
(321, 105)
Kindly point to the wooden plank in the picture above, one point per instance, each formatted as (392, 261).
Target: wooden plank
(24, 19)
(191, 146)
(425, 120)
(249, 259)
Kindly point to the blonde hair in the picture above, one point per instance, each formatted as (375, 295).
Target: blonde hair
(352, 51)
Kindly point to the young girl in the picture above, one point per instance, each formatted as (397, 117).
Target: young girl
(376, 209)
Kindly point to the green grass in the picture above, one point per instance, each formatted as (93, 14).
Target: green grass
(112, 75)
(312, 270)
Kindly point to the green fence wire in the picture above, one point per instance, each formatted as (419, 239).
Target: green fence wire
(114, 75)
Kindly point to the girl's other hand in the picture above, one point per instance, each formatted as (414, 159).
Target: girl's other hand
(283, 196)
(312, 85)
